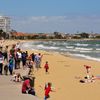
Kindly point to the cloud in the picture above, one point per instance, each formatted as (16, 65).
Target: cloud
(70, 24)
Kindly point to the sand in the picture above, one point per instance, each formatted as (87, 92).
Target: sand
(64, 74)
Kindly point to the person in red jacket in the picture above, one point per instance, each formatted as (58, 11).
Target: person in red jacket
(47, 91)
(46, 66)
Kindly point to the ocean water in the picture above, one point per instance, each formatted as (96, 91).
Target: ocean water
(88, 49)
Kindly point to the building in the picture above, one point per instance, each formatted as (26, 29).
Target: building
(5, 24)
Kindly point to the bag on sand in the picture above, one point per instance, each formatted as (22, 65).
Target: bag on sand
(31, 91)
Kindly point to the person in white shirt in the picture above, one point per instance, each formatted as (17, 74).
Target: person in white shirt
(19, 58)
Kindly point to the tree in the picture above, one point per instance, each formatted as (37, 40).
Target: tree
(84, 35)
(1, 31)
(4, 35)
(57, 35)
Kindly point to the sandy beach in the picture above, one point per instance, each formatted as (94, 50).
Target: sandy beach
(64, 74)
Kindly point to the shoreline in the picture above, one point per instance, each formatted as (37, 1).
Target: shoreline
(67, 53)
(86, 39)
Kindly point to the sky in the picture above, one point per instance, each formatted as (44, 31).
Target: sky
(69, 16)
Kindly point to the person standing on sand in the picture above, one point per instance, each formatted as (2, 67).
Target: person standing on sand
(12, 50)
(40, 59)
(1, 62)
(11, 61)
(5, 53)
(26, 53)
(33, 57)
(36, 61)
(48, 90)
(19, 58)
(24, 58)
(46, 66)
(87, 68)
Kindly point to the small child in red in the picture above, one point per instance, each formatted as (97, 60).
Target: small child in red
(87, 68)
(46, 66)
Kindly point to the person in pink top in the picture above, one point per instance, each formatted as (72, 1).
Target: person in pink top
(26, 88)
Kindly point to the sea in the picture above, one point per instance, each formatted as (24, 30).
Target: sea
(85, 49)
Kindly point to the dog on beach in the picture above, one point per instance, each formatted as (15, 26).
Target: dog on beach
(6, 69)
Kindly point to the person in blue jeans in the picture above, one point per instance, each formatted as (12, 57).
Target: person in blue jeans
(11, 65)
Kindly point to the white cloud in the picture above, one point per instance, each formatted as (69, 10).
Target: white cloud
(57, 23)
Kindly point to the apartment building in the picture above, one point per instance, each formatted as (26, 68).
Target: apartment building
(5, 24)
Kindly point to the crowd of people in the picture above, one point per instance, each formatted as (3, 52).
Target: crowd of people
(13, 58)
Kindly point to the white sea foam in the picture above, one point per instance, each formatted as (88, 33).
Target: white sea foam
(86, 57)
(98, 49)
(46, 47)
(77, 48)
(69, 47)
(81, 51)
(63, 49)
(79, 44)
(26, 46)
(97, 44)
(84, 51)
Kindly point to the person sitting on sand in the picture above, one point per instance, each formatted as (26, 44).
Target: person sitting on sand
(26, 87)
(88, 79)
(16, 77)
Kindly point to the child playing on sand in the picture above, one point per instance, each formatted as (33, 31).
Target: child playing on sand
(46, 66)
(87, 68)
(48, 90)
(16, 77)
